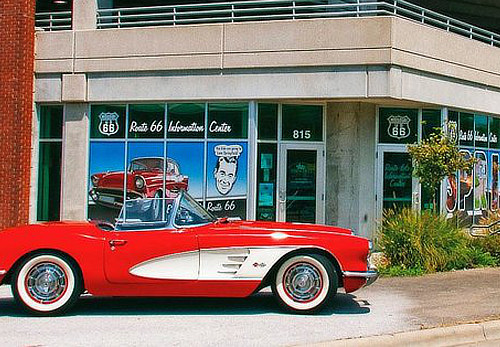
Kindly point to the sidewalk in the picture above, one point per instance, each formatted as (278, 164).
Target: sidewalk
(481, 334)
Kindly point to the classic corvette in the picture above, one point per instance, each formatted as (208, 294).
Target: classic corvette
(144, 180)
(174, 247)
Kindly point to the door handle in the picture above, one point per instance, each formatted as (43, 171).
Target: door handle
(116, 243)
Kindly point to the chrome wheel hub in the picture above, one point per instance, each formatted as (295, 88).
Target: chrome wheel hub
(46, 282)
(303, 282)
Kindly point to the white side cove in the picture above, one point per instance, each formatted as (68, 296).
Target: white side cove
(179, 266)
(213, 264)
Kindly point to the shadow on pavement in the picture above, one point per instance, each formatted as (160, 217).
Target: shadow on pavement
(262, 303)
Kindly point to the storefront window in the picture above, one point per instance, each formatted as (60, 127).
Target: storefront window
(157, 159)
(397, 189)
(229, 121)
(481, 131)
(186, 121)
(268, 121)
(466, 133)
(266, 181)
(107, 122)
(146, 121)
(49, 163)
(431, 122)
(302, 123)
(398, 126)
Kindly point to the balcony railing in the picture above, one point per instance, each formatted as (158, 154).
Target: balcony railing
(51, 21)
(265, 10)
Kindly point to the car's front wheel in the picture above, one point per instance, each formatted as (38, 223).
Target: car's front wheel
(305, 283)
(46, 284)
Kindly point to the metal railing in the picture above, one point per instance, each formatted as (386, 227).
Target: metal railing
(51, 21)
(265, 10)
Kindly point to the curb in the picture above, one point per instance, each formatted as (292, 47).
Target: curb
(448, 336)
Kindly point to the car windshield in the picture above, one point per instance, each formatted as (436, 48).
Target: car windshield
(191, 213)
(146, 164)
(145, 213)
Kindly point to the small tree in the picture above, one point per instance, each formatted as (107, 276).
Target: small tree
(436, 158)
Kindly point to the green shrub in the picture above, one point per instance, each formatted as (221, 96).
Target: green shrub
(398, 271)
(428, 241)
(489, 244)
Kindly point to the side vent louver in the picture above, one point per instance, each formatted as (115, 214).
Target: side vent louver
(234, 261)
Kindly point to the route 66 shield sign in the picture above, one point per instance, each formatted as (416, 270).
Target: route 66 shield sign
(399, 127)
(109, 123)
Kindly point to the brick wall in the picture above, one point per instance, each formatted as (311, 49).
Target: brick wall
(16, 107)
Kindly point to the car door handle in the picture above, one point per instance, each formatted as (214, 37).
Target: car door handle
(115, 243)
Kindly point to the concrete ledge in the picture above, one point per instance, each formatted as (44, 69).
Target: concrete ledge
(448, 336)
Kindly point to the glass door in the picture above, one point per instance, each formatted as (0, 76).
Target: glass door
(301, 183)
(397, 188)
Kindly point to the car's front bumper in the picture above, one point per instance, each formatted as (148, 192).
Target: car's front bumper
(370, 276)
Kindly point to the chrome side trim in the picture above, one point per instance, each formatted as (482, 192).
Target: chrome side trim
(3, 272)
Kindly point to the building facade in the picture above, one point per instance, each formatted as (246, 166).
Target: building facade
(304, 118)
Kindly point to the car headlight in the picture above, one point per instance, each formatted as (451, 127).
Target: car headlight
(95, 180)
(139, 182)
(370, 245)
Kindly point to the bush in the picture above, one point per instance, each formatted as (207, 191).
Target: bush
(489, 244)
(427, 241)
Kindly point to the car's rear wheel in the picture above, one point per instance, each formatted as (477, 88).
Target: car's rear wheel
(305, 283)
(46, 284)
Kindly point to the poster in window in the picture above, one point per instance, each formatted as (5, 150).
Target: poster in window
(481, 133)
(451, 193)
(493, 189)
(227, 169)
(188, 157)
(106, 175)
(465, 187)
(480, 181)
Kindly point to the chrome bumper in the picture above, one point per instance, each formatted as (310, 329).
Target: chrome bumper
(370, 275)
(3, 272)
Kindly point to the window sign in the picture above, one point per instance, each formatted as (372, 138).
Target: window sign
(481, 131)
(302, 123)
(107, 121)
(398, 125)
(186, 121)
(452, 126)
(466, 133)
(465, 187)
(146, 121)
(233, 208)
(229, 121)
(494, 132)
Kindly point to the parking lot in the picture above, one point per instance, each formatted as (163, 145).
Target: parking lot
(389, 306)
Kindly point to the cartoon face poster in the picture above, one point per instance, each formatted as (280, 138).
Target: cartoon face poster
(227, 170)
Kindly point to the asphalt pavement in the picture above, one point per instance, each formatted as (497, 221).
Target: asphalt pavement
(389, 306)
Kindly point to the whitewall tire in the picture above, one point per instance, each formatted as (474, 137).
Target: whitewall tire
(305, 283)
(46, 284)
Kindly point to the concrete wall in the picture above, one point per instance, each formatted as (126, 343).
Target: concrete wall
(350, 166)
(75, 162)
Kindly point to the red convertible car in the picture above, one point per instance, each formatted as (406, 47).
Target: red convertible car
(144, 180)
(183, 251)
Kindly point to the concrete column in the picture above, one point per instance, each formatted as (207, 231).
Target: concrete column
(74, 161)
(350, 168)
(84, 14)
